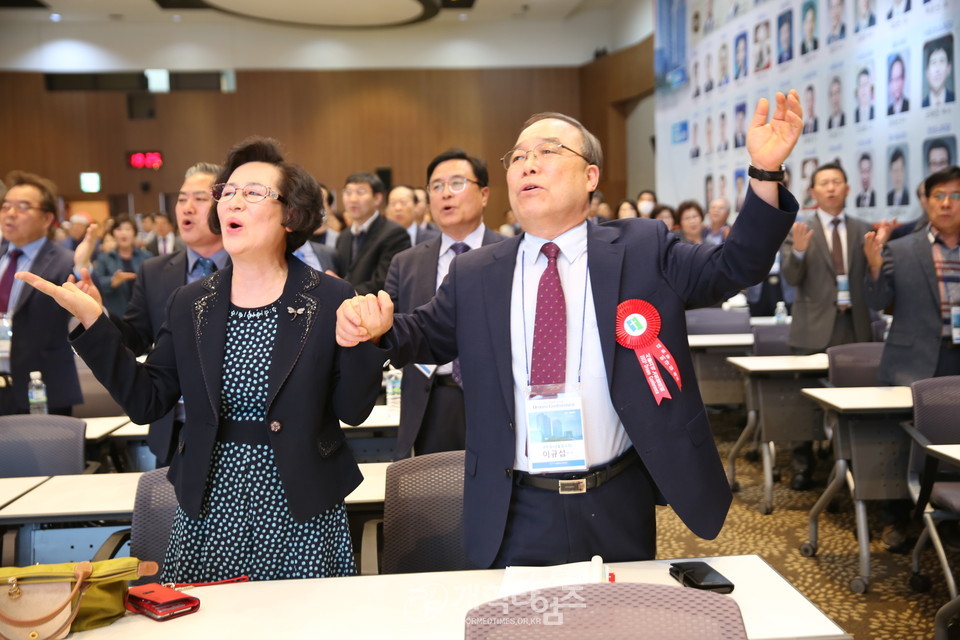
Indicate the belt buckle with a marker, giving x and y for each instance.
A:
(577, 485)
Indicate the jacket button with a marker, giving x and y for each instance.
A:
(508, 472)
(275, 426)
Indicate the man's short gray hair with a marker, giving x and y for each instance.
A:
(203, 167)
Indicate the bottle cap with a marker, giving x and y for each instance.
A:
(34, 375)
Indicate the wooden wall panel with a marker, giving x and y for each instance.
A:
(331, 122)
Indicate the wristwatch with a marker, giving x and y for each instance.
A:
(765, 176)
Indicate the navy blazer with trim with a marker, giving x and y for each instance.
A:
(629, 259)
(313, 383)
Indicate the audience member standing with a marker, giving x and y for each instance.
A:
(369, 244)
(114, 272)
(165, 240)
(823, 258)
(38, 324)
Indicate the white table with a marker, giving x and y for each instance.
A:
(870, 455)
(711, 340)
(376, 437)
(434, 605)
(13, 488)
(776, 408)
(98, 428)
(380, 417)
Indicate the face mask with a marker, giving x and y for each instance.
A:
(646, 208)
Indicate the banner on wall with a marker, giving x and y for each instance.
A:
(877, 82)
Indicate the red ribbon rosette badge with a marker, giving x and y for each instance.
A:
(638, 328)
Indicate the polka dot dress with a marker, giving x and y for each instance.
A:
(245, 526)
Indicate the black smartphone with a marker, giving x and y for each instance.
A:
(700, 575)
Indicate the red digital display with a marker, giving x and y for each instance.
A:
(145, 159)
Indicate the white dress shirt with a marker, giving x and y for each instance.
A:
(604, 435)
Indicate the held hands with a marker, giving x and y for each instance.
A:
(69, 296)
(364, 318)
(769, 143)
(801, 236)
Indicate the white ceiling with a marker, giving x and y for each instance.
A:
(365, 13)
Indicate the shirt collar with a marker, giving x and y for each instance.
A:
(572, 243)
(221, 258)
(363, 228)
(474, 240)
(826, 220)
(31, 248)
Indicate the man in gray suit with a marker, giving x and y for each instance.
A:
(823, 258)
(432, 415)
(904, 272)
(402, 203)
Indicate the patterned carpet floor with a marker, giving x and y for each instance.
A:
(890, 610)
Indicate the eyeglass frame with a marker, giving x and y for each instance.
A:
(941, 196)
(505, 161)
(220, 186)
(437, 186)
(9, 206)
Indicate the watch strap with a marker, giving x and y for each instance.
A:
(766, 176)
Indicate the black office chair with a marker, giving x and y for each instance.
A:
(854, 365)
(97, 402)
(422, 517)
(936, 403)
(712, 320)
(771, 340)
(608, 610)
(149, 534)
(42, 445)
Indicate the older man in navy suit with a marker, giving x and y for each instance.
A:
(583, 410)
(432, 416)
(38, 324)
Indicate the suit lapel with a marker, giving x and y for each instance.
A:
(605, 259)
(425, 272)
(39, 266)
(210, 311)
(372, 236)
(293, 327)
(820, 240)
(497, 285)
(924, 254)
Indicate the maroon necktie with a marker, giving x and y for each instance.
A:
(549, 365)
(6, 281)
(837, 248)
(458, 248)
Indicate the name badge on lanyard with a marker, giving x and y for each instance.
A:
(6, 335)
(843, 290)
(555, 428)
(955, 323)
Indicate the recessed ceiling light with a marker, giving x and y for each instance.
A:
(177, 17)
(463, 17)
(55, 17)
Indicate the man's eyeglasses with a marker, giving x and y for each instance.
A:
(940, 196)
(252, 192)
(541, 152)
(456, 185)
(19, 207)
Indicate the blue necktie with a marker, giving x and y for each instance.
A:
(458, 248)
(203, 267)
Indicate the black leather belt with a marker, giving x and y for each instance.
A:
(581, 483)
(445, 381)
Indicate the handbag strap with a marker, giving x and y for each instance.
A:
(80, 574)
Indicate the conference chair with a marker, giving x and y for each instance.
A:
(936, 403)
(153, 511)
(42, 445)
(771, 340)
(422, 518)
(720, 383)
(613, 611)
(97, 402)
(854, 365)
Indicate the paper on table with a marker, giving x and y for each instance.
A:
(520, 579)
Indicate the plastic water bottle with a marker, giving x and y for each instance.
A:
(393, 379)
(780, 314)
(37, 393)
